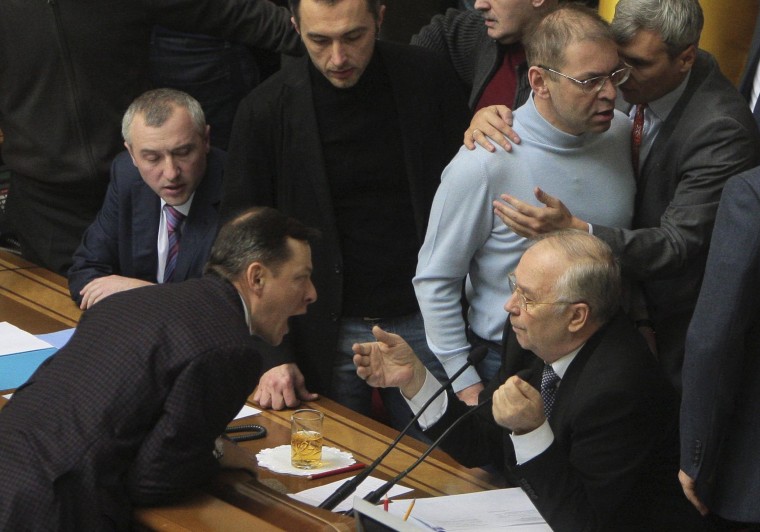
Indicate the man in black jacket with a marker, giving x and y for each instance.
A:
(597, 447)
(334, 139)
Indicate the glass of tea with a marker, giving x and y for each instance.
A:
(306, 438)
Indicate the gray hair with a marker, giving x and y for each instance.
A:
(157, 106)
(546, 41)
(593, 276)
(678, 22)
(259, 234)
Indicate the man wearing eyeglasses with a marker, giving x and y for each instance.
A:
(580, 416)
(572, 141)
(694, 132)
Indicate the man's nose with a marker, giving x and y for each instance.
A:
(170, 168)
(338, 55)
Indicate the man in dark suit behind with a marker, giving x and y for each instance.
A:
(168, 163)
(129, 411)
(597, 449)
(334, 139)
(720, 435)
(697, 131)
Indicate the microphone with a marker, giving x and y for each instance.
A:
(348, 487)
(375, 496)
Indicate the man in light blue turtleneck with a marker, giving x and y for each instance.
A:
(574, 145)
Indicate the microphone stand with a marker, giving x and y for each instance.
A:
(348, 487)
(375, 496)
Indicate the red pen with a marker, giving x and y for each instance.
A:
(352, 467)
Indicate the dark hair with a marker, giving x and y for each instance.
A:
(259, 234)
(373, 6)
(546, 41)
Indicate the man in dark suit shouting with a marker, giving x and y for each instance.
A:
(160, 215)
(596, 448)
(130, 410)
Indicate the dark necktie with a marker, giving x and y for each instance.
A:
(549, 382)
(636, 133)
(174, 220)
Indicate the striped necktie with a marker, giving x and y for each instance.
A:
(174, 220)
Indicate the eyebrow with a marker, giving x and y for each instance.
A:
(149, 151)
(349, 33)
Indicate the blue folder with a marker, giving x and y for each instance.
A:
(16, 369)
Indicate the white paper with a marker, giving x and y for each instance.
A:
(315, 496)
(247, 411)
(485, 511)
(13, 340)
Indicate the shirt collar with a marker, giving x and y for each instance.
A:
(247, 314)
(184, 208)
(560, 366)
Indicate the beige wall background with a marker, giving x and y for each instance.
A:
(727, 33)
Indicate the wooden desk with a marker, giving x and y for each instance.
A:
(38, 301)
(33, 298)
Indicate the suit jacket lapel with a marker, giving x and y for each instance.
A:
(306, 163)
(200, 224)
(146, 209)
(659, 152)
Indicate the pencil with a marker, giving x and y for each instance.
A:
(352, 467)
(409, 510)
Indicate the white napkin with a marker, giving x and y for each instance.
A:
(278, 460)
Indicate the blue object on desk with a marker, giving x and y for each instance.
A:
(16, 369)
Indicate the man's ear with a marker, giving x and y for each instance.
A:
(537, 79)
(686, 58)
(295, 25)
(255, 276)
(129, 149)
(581, 313)
(207, 139)
(380, 16)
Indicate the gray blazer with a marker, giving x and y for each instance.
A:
(720, 436)
(708, 137)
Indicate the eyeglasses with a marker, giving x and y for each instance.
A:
(596, 84)
(523, 302)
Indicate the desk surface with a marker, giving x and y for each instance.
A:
(38, 301)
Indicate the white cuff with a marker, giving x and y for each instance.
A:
(531, 444)
(436, 409)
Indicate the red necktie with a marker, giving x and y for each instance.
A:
(636, 134)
